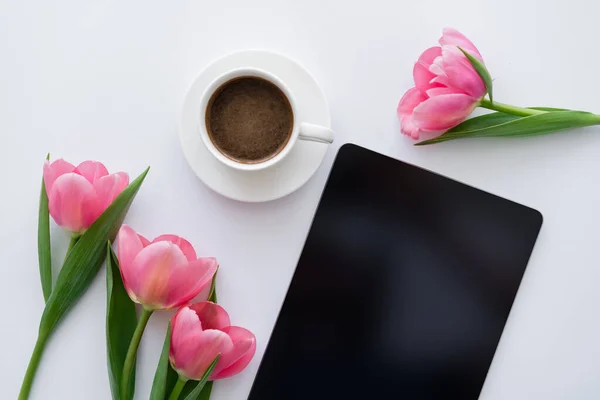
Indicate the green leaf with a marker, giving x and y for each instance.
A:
(481, 70)
(195, 393)
(172, 377)
(165, 376)
(213, 288)
(159, 385)
(527, 126)
(492, 119)
(483, 121)
(121, 321)
(85, 259)
(205, 394)
(44, 253)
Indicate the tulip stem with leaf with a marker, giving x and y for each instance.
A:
(73, 242)
(34, 362)
(203, 345)
(159, 275)
(196, 334)
(89, 201)
(451, 81)
(132, 351)
(195, 392)
(508, 109)
(179, 385)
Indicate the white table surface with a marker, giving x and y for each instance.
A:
(105, 80)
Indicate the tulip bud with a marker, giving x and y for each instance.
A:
(77, 196)
(164, 273)
(447, 87)
(200, 333)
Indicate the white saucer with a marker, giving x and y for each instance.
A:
(286, 176)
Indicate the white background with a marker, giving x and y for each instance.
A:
(105, 80)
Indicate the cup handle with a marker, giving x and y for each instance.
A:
(315, 133)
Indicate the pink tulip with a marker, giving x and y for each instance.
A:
(164, 273)
(202, 331)
(447, 87)
(78, 195)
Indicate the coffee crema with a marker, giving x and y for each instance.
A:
(249, 119)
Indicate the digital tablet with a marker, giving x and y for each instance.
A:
(402, 290)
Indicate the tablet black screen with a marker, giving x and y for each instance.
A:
(402, 290)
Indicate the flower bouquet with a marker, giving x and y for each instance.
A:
(201, 344)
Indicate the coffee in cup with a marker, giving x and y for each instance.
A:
(249, 119)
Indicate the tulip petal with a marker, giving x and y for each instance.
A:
(183, 244)
(145, 242)
(441, 91)
(91, 170)
(234, 362)
(185, 325)
(452, 37)
(150, 276)
(437, 68)
(412, 98)
(130, 245)
(72, 202)
(443, 112)
(211, 315)
(192, 357)
(188, 279)
(54, 170)
(109, 187)
(408, 128)
(461, 74)
(421, 73)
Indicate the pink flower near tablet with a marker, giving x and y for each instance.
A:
(451, 80)
(447, 87)
(204, 345)
(164, 273)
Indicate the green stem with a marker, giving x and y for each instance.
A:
(508, 109)
(177, 389)
(40, 344)
(72, 243)
(132, 352)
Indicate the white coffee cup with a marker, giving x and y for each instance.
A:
(300, 130)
